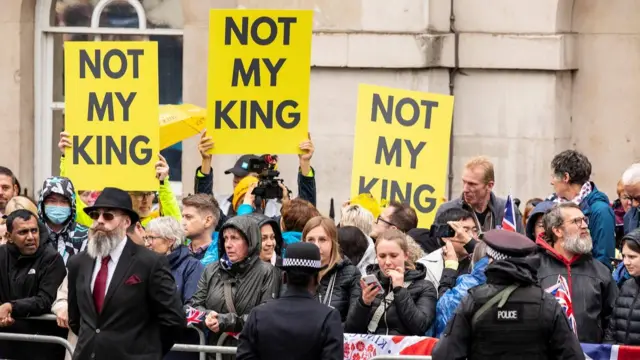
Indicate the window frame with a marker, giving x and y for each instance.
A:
(44, 72)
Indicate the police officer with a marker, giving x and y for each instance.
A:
(295, 326)
(509, 317)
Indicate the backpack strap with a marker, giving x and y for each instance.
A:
(228, 297)
(377, 315)
(500, 298)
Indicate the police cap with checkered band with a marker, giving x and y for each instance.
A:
(502, 244)
(301, 256)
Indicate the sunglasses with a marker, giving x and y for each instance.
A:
(108, 216)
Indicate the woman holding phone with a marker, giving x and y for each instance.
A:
(399, 301)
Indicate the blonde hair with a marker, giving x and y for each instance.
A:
(399, 238)
(415, 251)
(329, 227)
(358, 216)
(485, 164)
(19, 203)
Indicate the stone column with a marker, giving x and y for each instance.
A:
(16, 103)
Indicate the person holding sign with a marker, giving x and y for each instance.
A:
(204, 177)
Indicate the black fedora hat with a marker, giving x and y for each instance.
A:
(302, 256)
(113, 198)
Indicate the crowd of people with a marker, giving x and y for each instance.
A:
(126, 272)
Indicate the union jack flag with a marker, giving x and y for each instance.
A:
(562, 293)
(509, 218)
(194, 316)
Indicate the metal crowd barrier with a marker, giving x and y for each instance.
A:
(201, 348)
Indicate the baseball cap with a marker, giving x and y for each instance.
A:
(242, 165)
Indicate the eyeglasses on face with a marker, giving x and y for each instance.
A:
(142, 194)
(579, 220)
(380, 219)
(107, 215)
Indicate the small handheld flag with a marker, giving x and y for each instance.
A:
(509, 219)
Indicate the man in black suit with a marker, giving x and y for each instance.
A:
(296, 326)
(123, 302)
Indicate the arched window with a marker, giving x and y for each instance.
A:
(58, 21)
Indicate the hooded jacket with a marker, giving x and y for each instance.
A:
(450, 300)
(186, 270)
(496, 212)
(72, 238)
(252, 280)
(264, 220)
(537, 211)
(411, 312)
(602, 224)
(592, 289)
(547, 338)
(30, 284)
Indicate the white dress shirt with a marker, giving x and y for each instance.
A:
(111, 265)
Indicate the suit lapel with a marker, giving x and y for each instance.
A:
(124, 264)
(87, 272)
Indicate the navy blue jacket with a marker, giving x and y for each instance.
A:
(186, 270)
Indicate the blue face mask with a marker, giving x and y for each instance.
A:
(57, 214)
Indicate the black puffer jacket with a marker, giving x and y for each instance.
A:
(624, 325)
(593, 290)
(411, 313)
(252, 280)
(346, 284)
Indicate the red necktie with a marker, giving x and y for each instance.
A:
(100, 286)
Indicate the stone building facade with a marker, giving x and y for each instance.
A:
(530, 78)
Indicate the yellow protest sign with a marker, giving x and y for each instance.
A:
(258, 80)
(401, 147)
(111, 103)
(179, 122)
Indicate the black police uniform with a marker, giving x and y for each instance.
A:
(295, 326)
(527, 324)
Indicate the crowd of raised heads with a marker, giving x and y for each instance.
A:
(565, 268)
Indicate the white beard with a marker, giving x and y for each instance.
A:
(101, 243)
(578, 244)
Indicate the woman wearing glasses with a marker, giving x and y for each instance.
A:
(164, 235)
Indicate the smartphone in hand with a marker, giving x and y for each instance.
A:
(371, 279)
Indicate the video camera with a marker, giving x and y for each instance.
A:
(268, 185)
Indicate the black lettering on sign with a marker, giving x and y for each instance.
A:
(242, 32)
(107, 105)
(396, 151)
(392, 190)
(114, 70)
(391, 108)
(253, 71)
(111, 151)
(283, 114)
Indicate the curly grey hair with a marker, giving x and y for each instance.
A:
(168, 228)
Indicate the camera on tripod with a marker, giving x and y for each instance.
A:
(268, 185)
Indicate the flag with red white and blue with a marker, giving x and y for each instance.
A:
(194, 316)
(509, 219)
